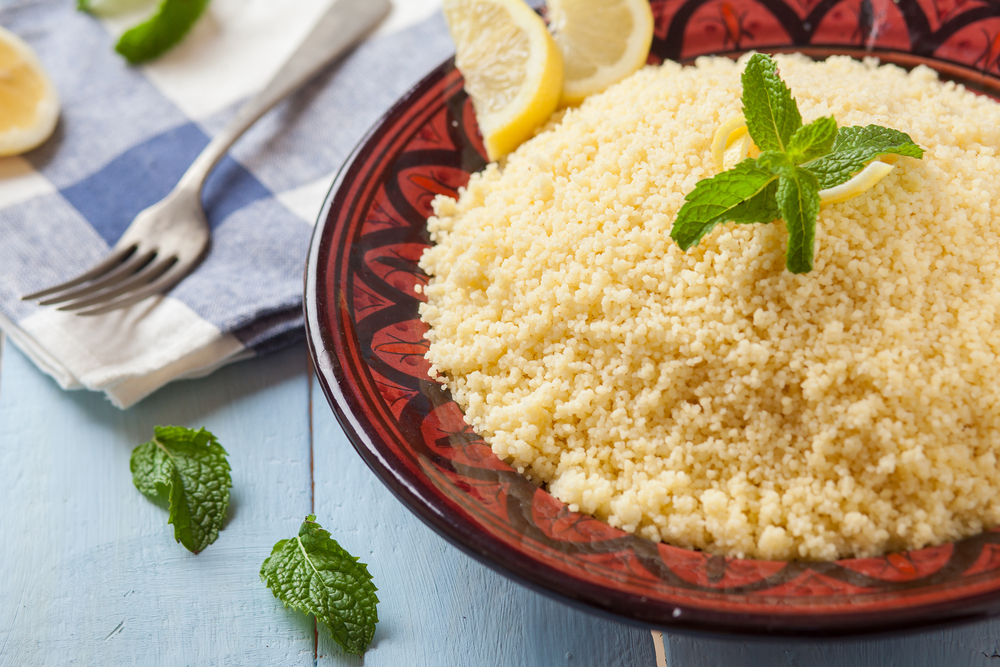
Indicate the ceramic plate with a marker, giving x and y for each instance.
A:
(367, 344)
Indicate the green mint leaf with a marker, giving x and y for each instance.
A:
(798, 201)
(187, 471)
(771, 113)
(760, 208)
(737, 195)
(314, 574)
(776, 162)
(855, 147)
(152, 472)
(167, 27)
(83, 5)
(813, 140)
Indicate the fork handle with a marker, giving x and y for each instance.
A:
(340, 28)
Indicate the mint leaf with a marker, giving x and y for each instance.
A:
(187, 471)
(737, 195)
(776, 162)
(152, 473)
(813, 140)
(855, 147)
(771, 113)
(314, 574)
(798, 201)
(167, 27)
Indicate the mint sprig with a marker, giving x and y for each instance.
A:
(186, 471)
(795, 163)
(314, 574)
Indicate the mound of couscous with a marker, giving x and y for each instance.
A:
(712, 399)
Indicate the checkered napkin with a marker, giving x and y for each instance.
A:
(125, 137)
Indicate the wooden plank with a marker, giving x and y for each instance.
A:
(91, 574)
(439, 606)
(968, 646)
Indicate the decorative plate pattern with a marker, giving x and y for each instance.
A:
(368, 345)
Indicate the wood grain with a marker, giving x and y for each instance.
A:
(91, 574)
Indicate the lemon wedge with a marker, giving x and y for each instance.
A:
(602, 41)
(513, 70)
(863, 181)
(29, 104)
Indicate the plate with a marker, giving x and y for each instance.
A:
(367, 344)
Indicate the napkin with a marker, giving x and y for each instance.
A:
(125, 136)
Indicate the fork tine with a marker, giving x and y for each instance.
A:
(133, 264)
(116, 257)
(162, 284)
(143, 277)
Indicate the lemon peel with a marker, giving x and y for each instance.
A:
(726, 136)
(863, 181)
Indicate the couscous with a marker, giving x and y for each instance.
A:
(711, 399)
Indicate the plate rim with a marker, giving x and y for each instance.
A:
(466, 535)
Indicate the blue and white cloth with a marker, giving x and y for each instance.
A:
(125, 137)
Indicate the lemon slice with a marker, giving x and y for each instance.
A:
(513, 70)
(863, 181)
(29, 104)
(602, 41)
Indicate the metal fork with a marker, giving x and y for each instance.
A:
(168, 239)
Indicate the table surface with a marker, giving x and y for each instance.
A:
(90, 573)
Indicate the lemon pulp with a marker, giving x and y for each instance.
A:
(513, 70)
(21, 88)
(28, 101)
(602, 41)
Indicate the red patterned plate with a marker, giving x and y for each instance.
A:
(367, 343)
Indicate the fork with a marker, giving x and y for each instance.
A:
(168, 240)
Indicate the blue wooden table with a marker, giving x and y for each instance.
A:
(90, 573)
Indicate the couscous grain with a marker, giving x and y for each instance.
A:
(712, 399)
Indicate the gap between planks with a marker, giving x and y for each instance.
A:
(312, 480)
(659, 649)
